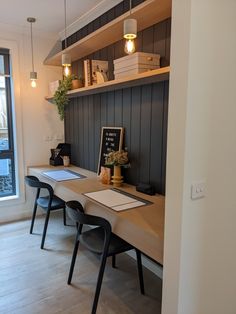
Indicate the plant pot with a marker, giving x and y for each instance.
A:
(77, 84)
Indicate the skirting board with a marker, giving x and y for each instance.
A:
(150, 265)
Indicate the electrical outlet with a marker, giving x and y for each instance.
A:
(198, 190)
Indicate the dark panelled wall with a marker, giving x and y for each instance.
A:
(141, 110)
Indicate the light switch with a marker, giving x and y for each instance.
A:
(198, 190)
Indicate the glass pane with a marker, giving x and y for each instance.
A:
(6, 180)
(2, 65)
(4, 143)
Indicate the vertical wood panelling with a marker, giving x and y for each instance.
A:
(145, 128)
(80, 119)
(86, 132)
(156, 140)
(141, 110)
(110, 109)
(91, 157)
(164, 136)
(97, 127)
(118, 108)
(147, 38)
(135, 135)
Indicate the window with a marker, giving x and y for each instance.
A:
(7, 160)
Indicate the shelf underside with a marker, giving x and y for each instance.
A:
(147, 14)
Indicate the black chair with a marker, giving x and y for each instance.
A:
(99, 240)
(47, 203)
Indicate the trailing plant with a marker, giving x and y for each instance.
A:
(60, 98)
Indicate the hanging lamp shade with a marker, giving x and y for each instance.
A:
(130, 28)
(33, 73)
(66, 59)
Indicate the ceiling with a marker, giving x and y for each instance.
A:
(49, 14)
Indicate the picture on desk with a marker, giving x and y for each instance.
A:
(111, 140)
(62, 175)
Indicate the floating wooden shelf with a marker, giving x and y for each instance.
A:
(147, 14)
(148, 77)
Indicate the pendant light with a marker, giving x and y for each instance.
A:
(33, 74)
(66, 58)
(130, 32)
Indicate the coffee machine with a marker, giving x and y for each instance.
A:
(62, 149)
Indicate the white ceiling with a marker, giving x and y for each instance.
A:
(49, 14)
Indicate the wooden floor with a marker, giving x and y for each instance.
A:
(34, 280)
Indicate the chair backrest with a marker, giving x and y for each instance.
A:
(34, 182)
(76, 212)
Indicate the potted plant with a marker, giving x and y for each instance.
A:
(60, 98)
(117, 159)
(77, 82)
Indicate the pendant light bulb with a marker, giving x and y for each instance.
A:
(129, 46)
(33, 83)
(66, 70)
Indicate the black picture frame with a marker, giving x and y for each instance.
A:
(111, 140)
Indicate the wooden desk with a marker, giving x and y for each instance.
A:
(143, 227)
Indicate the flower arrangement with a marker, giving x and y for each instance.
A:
(117, 158)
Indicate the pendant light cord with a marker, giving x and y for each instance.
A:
(130, 6)
(32, 49)
(65, 24)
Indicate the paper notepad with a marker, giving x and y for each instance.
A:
(115, 200)
(62, 175)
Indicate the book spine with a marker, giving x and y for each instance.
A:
(87, 73)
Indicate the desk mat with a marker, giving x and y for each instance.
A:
(62, 175)
(116, 199)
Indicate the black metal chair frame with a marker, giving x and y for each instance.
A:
(34, 182)
(76, 212)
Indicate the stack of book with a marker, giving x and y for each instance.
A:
(95, 72)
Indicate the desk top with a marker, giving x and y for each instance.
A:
(143, 227)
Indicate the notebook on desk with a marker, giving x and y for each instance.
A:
(62, 175)
(117, 199)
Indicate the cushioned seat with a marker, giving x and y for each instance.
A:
(47, 203)
(93, 240)
(57, 202)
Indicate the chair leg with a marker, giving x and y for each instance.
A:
(33, 217)
(140, 270)
(114, 261)
(45, 228)
(64, 216)
(99, 283)
(72, 265)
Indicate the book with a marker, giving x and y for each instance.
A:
(87, 73)
(92, 71)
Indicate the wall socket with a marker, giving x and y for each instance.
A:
(198, 190)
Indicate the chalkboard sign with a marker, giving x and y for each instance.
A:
(111, 140)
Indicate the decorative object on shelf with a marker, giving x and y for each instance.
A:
(117, 159)
(33, 74)
(95, 72)
(66, 58)
(53, 86)
(105, 175)
(130, 32)
(76, 82)
(136, 63)
(60, 98)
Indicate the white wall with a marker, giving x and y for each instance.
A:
(200, 250)
(36, 118)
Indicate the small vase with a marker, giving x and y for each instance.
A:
(117, 178)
